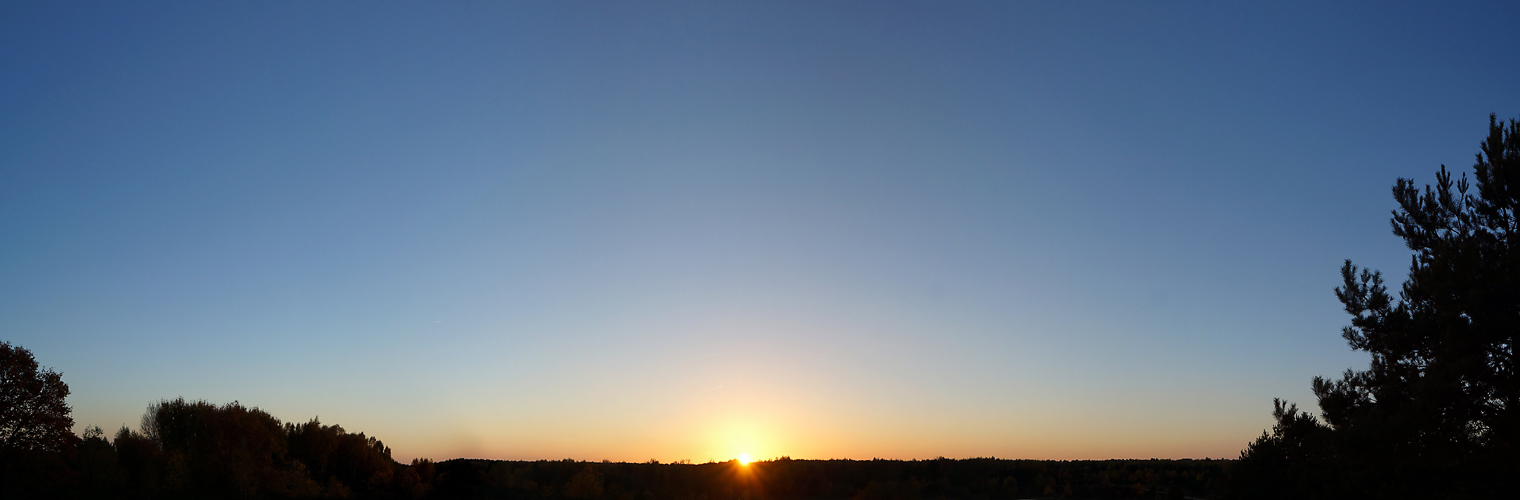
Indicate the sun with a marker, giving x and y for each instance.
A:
(744, 458)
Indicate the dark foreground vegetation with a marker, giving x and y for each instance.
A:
(199, 450)
(1437, 412)
(1435, 415)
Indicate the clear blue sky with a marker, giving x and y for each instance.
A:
(820, 229)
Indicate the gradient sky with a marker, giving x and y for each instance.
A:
(600, 230)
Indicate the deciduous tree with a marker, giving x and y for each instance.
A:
(33, 414)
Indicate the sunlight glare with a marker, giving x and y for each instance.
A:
(744, 458)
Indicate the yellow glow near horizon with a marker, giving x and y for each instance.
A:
(744, 458)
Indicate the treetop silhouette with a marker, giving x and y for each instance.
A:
(1435, 413)
(33, 413)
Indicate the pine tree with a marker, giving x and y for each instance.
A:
(1435, 414)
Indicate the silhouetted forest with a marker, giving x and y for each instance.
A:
(195, 449)
(199, 450)
(785, 478)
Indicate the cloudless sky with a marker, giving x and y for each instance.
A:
(614, 230)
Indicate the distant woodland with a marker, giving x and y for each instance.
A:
(198, 450)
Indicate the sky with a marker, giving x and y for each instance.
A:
(630, 231)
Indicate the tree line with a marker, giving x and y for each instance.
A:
(786, 478)
(195, 449)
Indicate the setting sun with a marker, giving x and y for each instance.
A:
(744, 458)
